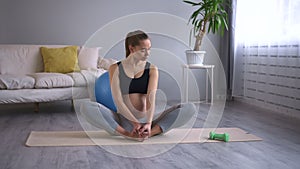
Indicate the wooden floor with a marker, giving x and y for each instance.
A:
(280, 148)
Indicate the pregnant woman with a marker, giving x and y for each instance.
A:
(133, 83)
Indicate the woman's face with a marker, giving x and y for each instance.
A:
(142, 51)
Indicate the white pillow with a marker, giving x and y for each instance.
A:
(52, 80)
(88, 57)
(90, 77)
(20, 59)
(16, 82)
(105, 63)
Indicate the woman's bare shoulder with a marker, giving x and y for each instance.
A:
(153, 69)
(113, 67)
(152, 66)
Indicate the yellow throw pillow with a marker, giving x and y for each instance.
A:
(60, 60)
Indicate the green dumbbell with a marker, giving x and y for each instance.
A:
(215, 136)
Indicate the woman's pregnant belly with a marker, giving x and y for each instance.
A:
(136, 103)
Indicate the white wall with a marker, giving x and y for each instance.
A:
(2, 21)
(74, 21)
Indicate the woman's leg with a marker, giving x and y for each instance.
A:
(125, 123)
(102, 117)
(99, 116)
(173, 117)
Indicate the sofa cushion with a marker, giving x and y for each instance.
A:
(27, 58)
(60, 60)
(52, 80)
(16, 82)
(88, 57)
(79, 80)
(104, 63)
(90, 77)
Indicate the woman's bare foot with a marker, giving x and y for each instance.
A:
(128, 135)
(135, 136)
(156, 130)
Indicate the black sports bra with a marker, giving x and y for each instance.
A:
(134, 85)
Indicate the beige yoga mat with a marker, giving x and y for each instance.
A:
(82, 138)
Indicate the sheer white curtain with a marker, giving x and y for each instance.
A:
(267, 62)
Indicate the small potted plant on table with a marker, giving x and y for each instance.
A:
(209, 16)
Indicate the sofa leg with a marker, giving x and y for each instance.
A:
(72, 105)
(36, 107)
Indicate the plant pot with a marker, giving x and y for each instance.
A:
(194, 57)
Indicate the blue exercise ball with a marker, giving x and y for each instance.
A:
(103, 92)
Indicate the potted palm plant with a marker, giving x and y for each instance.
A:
(209, 16)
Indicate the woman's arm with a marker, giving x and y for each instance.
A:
(151, 92)
(117, 95)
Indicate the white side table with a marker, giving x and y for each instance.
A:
(207, 68)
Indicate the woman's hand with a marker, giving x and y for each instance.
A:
(146, 130)
(136, 128)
